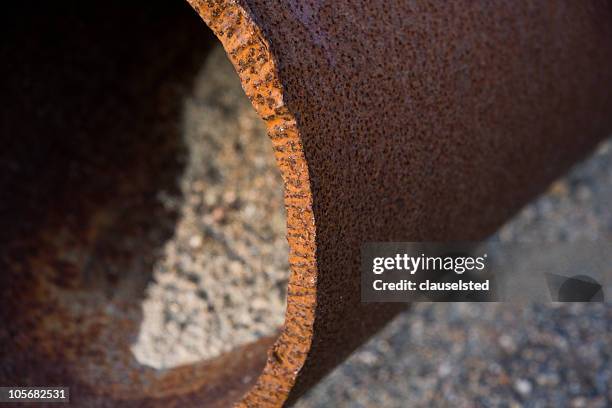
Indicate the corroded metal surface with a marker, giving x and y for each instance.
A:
(390, 120)
(405, 121)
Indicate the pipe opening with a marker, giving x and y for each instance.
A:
(143, 225)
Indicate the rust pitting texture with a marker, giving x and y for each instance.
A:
(407, 121)
(391, 121)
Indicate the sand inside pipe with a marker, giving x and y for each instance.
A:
(220, 281)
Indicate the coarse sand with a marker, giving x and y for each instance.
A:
(221, 279)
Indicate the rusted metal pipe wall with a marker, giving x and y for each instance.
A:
(391, 121)
(407, 121)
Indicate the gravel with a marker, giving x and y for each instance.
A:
(222, 277)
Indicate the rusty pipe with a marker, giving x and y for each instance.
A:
(405, 121)
(400, 121)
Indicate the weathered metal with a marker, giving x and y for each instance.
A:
(391, 120)
(396, 120)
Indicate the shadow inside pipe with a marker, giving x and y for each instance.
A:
(90, 130)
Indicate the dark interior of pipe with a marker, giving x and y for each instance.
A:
(92, 92)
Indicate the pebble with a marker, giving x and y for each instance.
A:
(522, 386)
